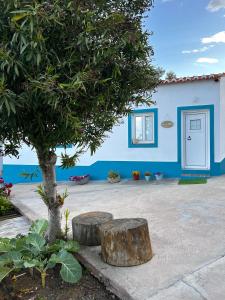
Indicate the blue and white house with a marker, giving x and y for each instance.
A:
(182, 133)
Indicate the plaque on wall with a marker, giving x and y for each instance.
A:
(167, 124)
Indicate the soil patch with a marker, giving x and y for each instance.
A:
(29, 288)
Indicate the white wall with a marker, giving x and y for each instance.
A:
(168, 98)
(222, 118)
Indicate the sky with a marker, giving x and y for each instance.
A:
(188, 36)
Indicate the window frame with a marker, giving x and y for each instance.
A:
(131, 128)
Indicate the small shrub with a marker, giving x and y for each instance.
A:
(113, 174)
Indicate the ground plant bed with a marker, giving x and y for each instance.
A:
(10, 214)
(25, 287)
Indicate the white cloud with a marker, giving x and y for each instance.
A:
(203, 49)
(207, 60)
(215, 5)
(216, 38)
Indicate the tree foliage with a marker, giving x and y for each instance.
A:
(69, 70)
(170, 75)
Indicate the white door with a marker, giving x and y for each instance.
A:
(196, 146)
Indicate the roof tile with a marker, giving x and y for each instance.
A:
(193, 78)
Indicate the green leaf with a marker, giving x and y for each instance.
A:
(19, 17)
(70, 246)
(16, 70)
(31, 263)
(5, 245)
(51, 264)
(4, 271)
(16, 258)
(71, 270)
(18, 243)
(37, 241)
(39, 227)
(5, 260)
(38, 59)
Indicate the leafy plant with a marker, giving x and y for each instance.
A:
(33, 252)
(30, 176)
(42, 193)
(5, 205)
(66, 230)
(113, 174)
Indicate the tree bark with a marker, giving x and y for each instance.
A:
(47, 162)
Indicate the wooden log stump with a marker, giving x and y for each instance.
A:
(86, 227)
(125, 242)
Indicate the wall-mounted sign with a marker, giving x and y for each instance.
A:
(167, 124)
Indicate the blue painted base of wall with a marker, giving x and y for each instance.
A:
(100, 169)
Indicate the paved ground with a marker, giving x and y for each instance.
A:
(11, 227)
(187, 227)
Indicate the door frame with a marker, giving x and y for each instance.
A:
(180, 128)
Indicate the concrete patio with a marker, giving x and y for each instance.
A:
(187, 228)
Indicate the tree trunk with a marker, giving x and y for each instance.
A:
(47, 163)
(86, 227)
(125, 242)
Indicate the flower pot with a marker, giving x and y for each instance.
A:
(136, 177)
(158, 177)
(113, 180)
(147, 178)
(80, 179)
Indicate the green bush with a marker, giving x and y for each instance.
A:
(33, 252)
(5, 205)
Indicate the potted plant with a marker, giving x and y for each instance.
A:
(80, 179)
(158, 176)
(148, 176)
(136, 175)
(113, 177)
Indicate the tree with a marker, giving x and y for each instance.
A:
(70, 70)
(170, 75)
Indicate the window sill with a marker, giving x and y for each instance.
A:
(151, 145)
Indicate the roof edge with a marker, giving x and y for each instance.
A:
(192, 78)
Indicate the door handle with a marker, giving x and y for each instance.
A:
(189, 138)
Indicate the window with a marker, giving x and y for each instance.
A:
(67, 146)
(143, 128)
(195, 124)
